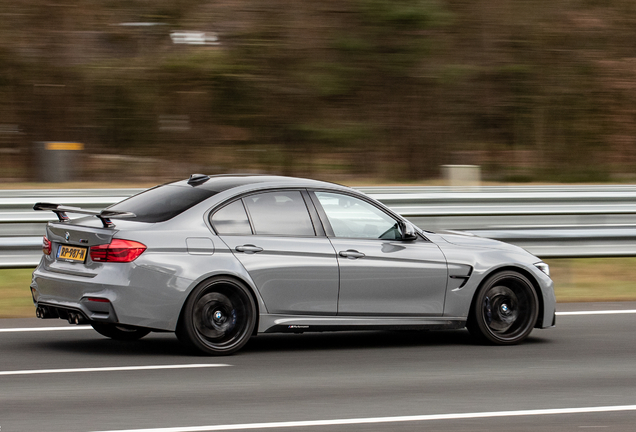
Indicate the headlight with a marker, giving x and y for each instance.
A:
(543, 267)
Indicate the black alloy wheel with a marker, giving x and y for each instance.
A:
(218, 318)
(504, 310)
(120, 332)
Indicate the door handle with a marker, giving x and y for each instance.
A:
(250, 249)
(353, 254)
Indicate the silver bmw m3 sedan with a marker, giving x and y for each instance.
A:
(219, 259)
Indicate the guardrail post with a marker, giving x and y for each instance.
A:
(57, 161)
(462, 176)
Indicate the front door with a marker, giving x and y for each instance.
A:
(380, 274)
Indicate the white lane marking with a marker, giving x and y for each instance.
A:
(36, 329)
(111, 369)
(368, 420)
(599, 312)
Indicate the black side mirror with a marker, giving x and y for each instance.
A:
(408, 231)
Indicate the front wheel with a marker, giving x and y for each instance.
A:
(119, 332)
(504, 309)
(218, 318)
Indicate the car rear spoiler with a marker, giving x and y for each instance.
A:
(103, 215)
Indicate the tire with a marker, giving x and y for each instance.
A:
(504, 309)
(118, 332)
(218, 317)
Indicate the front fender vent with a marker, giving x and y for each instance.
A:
(458, 275)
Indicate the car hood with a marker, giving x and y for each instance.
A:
(467, 239)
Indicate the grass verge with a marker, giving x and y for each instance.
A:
(575, 280)
(594, 279)
(15, 295)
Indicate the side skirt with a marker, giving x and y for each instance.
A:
(299, 324)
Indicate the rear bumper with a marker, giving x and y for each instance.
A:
(123, 294)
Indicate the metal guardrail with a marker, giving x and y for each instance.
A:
(549, 221)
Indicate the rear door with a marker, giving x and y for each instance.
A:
(381, 274)
(283, 247)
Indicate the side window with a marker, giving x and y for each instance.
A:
(279, 213)
(232, 219)
(353, 218)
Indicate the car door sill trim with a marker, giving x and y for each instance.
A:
(295, 323)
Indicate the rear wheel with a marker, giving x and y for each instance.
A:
(504, 310)
(218, 318)
(119, 332)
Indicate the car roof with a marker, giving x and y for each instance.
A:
(220, 183)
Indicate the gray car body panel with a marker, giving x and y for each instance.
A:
(393, 278)
(486, 257)
(295, 282)
(294, 275)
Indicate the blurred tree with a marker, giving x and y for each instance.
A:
(536, 90)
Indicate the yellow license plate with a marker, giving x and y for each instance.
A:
(72, 253)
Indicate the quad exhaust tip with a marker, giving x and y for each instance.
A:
(42, 312)
(75, 318)
(72, 317)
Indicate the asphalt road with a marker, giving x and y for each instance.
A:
(587, 361)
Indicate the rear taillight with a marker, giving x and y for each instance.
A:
(117, 251)
(46, 246)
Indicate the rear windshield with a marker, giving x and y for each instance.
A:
(162, 203)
